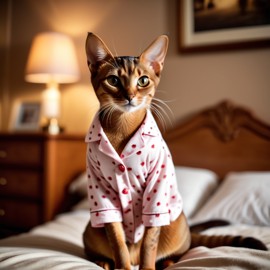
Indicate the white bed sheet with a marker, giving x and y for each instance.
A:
(58, 245)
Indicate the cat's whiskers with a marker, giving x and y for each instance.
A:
(114, 48)
(162, 111)
(159, 116)
(166, 108)
(106, 112)
(110, 116)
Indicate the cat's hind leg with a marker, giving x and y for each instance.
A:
(174, 241)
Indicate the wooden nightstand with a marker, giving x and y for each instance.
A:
(35, 170)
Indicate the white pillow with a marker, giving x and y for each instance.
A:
(79, 185)
(241, 198)
(195, 186)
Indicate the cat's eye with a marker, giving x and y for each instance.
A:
(143, 81)
(113, 80)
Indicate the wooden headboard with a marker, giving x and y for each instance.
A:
(221, 138)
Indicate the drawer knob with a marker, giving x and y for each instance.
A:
(2, 212)
(3, 181)
(3, 154)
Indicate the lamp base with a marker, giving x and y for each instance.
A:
(53, 127)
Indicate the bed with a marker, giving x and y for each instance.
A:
(222, 160)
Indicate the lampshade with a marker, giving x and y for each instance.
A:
(52, 58)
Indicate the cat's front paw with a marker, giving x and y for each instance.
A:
(161, 265)
(104, 265)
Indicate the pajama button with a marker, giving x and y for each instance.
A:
(125, 191)
(121, 167)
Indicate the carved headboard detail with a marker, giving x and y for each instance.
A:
(223, 138)
(228, 119)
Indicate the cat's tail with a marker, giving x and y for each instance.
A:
(212, 241)
(199, 227)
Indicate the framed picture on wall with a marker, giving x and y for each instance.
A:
(207, 25)
(26, 116)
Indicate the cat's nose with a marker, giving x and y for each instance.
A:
(130, 97)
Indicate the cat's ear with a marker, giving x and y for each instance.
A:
(155, 54)
(96, 50)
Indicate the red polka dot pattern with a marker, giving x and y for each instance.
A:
(138, 187)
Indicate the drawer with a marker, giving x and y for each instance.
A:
(19, 214)
(20, 183)
(20, 152)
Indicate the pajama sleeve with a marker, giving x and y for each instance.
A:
(103, 200)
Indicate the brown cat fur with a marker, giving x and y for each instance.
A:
(123, 109)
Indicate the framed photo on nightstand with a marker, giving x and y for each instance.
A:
(26, 116)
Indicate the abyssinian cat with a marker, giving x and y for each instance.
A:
(136, 210)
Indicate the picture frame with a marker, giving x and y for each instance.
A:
(26, 116)
(195, 33)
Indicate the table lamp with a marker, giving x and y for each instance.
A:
(52, 60)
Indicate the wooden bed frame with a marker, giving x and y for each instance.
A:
(222, 138)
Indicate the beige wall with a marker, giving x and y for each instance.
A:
(4, 38)
(189, 82)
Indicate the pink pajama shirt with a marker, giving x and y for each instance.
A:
(138, 187)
